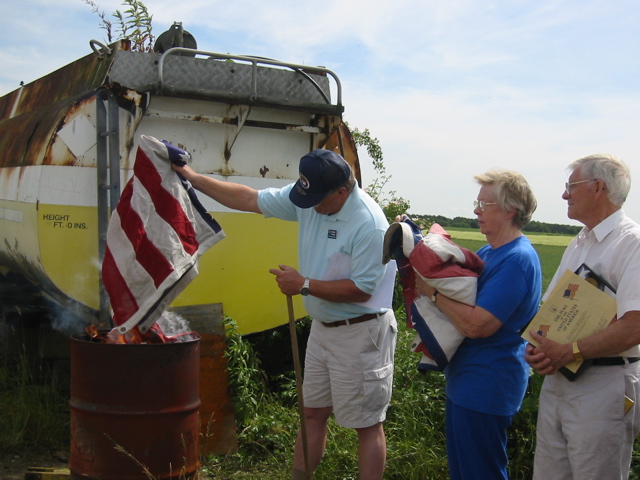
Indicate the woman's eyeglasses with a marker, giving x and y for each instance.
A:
(481, 205)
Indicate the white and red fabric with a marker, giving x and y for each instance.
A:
(155, 236)
(451, 269)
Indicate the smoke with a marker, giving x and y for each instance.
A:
(70, 323)
(176, 327)
(65, 320)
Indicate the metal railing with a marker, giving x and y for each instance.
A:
(303, 70)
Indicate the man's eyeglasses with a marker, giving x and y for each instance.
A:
(568, 185)
(481, 205)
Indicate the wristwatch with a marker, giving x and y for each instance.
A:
(577, 354)
(305, 290)
(435, 294)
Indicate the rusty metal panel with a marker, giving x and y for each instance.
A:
(88, 73)
(31, 138)
(217, 417)
(24, 139)
(7, 102)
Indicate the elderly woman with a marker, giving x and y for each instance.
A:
(487, 376)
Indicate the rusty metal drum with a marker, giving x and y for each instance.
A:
(134, 410)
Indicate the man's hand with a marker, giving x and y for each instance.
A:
(289, 279)
(185, 170)
(538, 361)
(549, 356)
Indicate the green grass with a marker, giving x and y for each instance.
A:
(414, 427)
(535, 237)
(550, 256)
(35, 410)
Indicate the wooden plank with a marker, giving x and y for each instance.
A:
(47, 473)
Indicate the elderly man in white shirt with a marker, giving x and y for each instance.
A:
(586, 428)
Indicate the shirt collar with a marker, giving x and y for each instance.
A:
(606, 226)
(344, 214)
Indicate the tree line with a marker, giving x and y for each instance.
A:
(462, 222)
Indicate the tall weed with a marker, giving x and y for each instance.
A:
(35, 411)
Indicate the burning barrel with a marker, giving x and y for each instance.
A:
(134, 410)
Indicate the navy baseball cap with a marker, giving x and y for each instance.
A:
(321, 171)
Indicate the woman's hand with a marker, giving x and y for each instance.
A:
(423, 288)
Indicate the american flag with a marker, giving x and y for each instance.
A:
(570, 291)
(156, 234)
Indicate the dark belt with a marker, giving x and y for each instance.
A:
(611, 361)
(352, 321)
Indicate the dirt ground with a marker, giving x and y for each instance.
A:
(14, 466)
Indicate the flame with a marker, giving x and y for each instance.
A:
(92, 331)
(132, 337)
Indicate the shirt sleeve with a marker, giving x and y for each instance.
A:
(367, 268)
(274, 202)
(628, 292)
(501, 292)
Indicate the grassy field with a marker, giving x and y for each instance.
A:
(535, 238)
(549, 247)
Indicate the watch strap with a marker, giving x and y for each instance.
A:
(577, 354)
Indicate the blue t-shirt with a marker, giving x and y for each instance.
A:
(353, 236)
(489, 375)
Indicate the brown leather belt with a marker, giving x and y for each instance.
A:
(352, 321)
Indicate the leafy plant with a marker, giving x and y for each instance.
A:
(394, 205)
(247, 381)
(134, 24)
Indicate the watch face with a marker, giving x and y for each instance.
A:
(305, 287)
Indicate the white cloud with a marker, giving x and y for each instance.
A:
(434, 144)
(449, 88)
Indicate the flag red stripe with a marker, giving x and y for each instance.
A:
(166, 205)
(147, 254)
(117, 288)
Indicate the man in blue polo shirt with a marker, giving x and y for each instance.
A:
(350, 351)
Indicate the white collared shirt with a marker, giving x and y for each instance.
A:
(611, 250)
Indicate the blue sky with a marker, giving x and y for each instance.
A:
(449, 88)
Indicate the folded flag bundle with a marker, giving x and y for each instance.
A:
(449, 268)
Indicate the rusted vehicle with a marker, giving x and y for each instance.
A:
(67, 146)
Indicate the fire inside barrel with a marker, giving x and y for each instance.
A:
(155, 334)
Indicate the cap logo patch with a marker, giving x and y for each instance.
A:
(304, 182)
